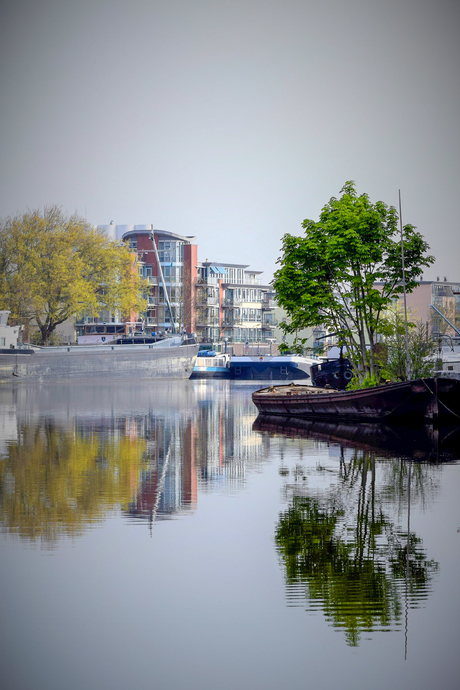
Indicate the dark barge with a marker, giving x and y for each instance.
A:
(425, 401)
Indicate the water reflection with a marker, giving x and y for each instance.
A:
(425, 443)
(71, 455)
(341, 541)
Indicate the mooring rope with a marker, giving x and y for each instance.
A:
(440, 401)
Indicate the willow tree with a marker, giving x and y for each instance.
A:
(346, 269)
(53, 266)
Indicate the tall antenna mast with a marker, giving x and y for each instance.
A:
(404, 289)
(162, 278)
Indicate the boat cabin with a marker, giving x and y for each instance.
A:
(9, 335)
(100, 333)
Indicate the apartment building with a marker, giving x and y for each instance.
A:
(216, 301)
(232, 304)
(442, 294)
(168, 261)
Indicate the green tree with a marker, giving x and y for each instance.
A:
(53, 266)
(328, 277)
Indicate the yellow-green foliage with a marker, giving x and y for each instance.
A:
(54, 481)
(53, 266)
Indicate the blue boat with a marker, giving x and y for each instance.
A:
(259, 368)
(271, 368)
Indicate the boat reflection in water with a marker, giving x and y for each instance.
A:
(425, 443)
(340, 541)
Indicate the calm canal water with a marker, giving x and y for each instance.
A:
(158, 536)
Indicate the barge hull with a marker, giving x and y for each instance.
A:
(108, 361)
(419, 401)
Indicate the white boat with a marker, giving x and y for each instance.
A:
(214, 366)
(449, 362)
(172, 357)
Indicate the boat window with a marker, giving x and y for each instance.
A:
(119, 329)
(100, 329)
(90, 329)
(110, 329)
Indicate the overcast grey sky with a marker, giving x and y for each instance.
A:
(232, 121)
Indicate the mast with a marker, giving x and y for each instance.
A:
(445, 318)
(404, 288)
(155, 249)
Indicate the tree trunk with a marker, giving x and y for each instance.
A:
(46, 331)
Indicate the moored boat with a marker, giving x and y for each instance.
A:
(172, 357)
(214, 366)
(271, 368)
(253, 368)
(428, 400)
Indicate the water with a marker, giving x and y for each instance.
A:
(158, 536)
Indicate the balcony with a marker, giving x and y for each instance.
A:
(269, 304)
(233, 323)
(232, 302)
(204, 321)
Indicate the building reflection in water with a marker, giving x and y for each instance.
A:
(342, 542)
(70, 455)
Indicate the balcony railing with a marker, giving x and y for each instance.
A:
(204, 321)
(233, 323)
(232, 302)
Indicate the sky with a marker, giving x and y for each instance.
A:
(232, 121)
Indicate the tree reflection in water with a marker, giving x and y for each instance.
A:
(57, 480)
(343, 553)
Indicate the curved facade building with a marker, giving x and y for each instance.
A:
(217, 301)
(168, 262)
